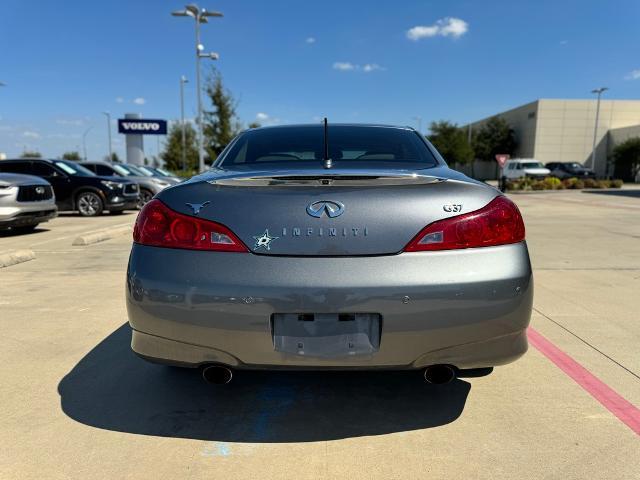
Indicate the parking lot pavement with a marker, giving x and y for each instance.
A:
(76, 403)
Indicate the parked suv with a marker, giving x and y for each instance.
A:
(25, 201)
(149, 185)
(570, 170)
(525, 167)
(77, 188)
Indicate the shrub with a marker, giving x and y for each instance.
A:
(616, 183)
(552, 183)
(569, 182)
(604, 184)
(578, 185)
(590, 183)
(513, 185)
(538, 185)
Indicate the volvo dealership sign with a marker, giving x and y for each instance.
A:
(141, 126)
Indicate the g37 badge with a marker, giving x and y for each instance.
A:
(264, 240)
(452, 207)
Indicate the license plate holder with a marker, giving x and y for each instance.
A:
(326, 335)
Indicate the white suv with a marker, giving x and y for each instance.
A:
(525, 167)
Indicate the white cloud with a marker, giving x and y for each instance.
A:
(30, 134)
(266, 119)
(371, 67)
(344, 66)
(310, 40)
(139, 101)
(633, 75)
(564, 42)
(445, 27)
(119, 100)
(76, 122)
(348, 66)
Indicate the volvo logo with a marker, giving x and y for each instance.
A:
(330, 208)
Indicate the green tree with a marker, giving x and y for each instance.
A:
(114, 158)
(495, 136)
(220, 122)
(75, 156)
(626, 157)
(172, 154)
(31, 154)
(254, 125)
(451, 141)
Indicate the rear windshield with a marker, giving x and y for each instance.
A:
(351, 146)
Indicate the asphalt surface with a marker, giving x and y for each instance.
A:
(76, 403)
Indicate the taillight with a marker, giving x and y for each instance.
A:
(159, 226)
(498, 223)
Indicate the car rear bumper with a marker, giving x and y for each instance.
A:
(469, 308)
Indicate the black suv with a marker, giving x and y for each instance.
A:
(570, 169)
(77, 188)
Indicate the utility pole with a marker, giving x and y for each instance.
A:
(183, 80)
(599, 92)
(200, 16)
(108, 115)
(84, 142)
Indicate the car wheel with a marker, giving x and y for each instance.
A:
(89, 204)
(145, 196)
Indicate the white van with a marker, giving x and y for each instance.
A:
(525, 167)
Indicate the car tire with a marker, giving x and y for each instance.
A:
(89, 204)
(145, 196)
(116, 212)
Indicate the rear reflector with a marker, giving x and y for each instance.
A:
(498, 223)
(159, 226)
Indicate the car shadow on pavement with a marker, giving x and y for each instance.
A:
(113, 389)
(615, 193)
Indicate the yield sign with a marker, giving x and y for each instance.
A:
(502, 158)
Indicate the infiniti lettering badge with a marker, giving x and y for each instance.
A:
(330, 208)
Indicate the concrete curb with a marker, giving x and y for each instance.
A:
(101, 235)
(16, 256)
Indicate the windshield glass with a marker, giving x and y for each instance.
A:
(133, 170)
(163, 172)
(349, 146)
(575, 166)
(74, 169)
(147, 171)
(532, 165)
(121, 170)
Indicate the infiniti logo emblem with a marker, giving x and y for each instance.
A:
(330, 208)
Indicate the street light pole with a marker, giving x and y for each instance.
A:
(200, 15)
(183, 80)
(599, 92)
(419, 119)
(84, 142)
(108, 115)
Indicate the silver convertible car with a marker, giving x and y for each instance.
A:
(330, 247)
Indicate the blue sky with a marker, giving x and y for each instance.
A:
(295, 61)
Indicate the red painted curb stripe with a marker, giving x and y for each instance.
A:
(610, 399)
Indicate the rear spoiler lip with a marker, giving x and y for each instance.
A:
(325, 178)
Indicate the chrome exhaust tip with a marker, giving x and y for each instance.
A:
(439, 374)
(217, 374)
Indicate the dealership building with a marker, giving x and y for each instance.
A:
(556, 130)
